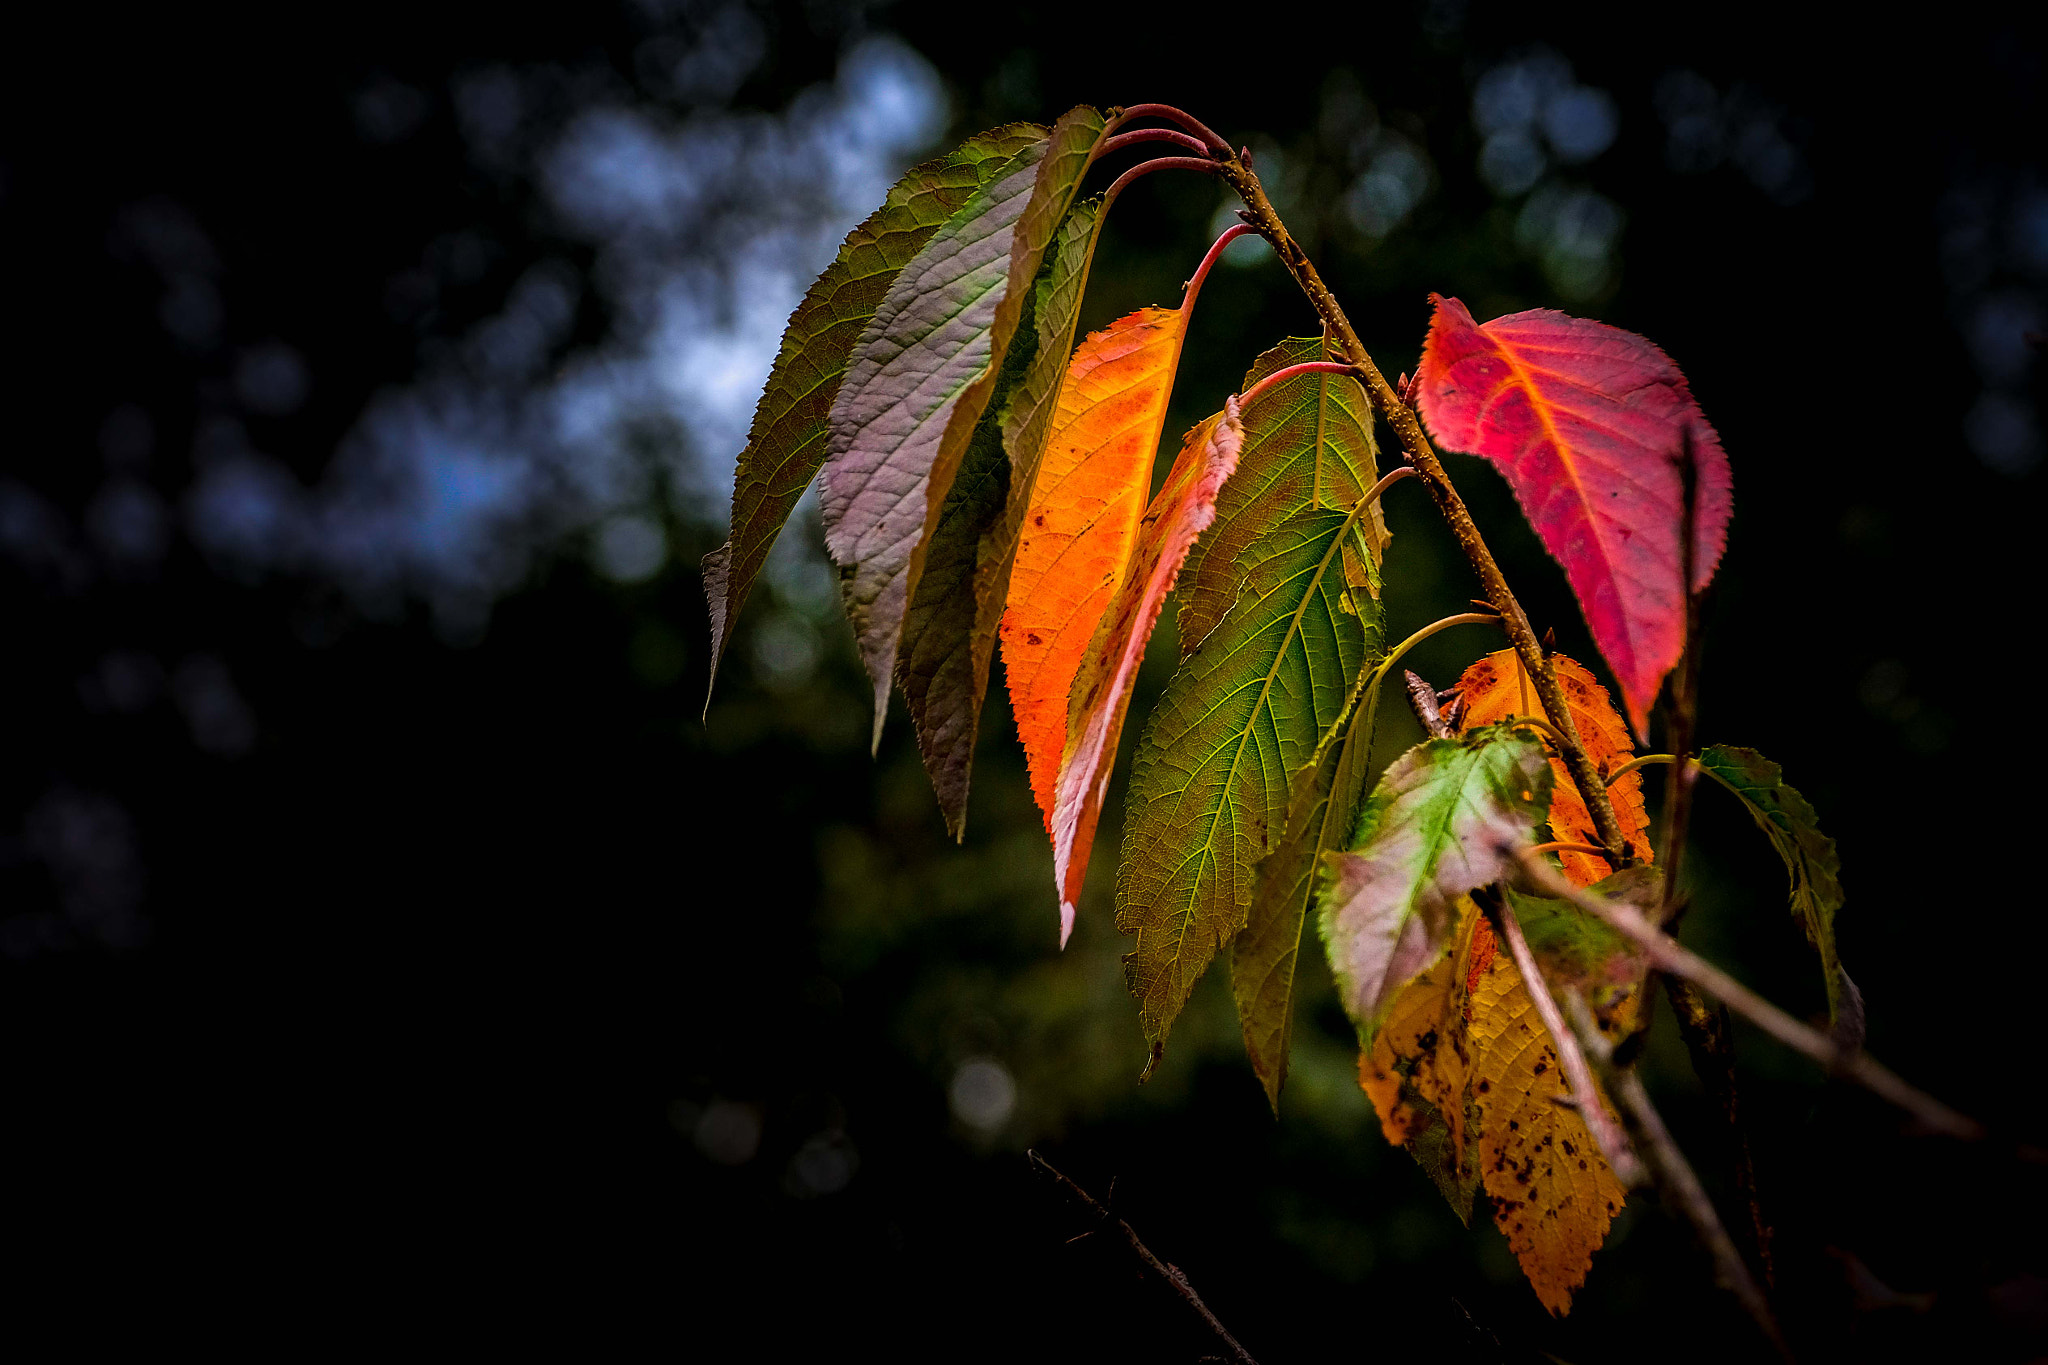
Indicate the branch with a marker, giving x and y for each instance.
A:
(1586, 1096)
(1258, 211)
(1676, 1180)
(1668, 955)
(1163, 1269)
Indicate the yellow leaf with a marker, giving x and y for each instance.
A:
(1465, 1076)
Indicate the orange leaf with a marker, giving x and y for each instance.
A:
(1496, 688)
(1101, 691)
(1082, 522)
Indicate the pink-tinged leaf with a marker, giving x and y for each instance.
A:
(1101, 692)
(1590, 425)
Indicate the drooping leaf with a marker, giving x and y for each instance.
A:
(1579, 952)
(1182, 510)
(1788, 819)
(788, 439)
(1308, 442)
(1215, 766)
(922, 373)
(1434, 829)
(949, 632)
(1590, 425)
(1496, 688)
(1322, 807)
(1465, 1076)
(943, 661)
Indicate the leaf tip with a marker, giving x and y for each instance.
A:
(1066, 923)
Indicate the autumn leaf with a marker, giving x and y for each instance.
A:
(1496, 688)
(1308, 443)
(1788, 819)
(1182, 510)
(1081, 521)
(1434, 829)
(948, 641)
(1214, 768)
(922, 373)
(788, 439)
(1589, 424)
(1465, 1076)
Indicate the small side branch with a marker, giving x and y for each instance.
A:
(1165, 1270)
(1621, 1158)
(1666, 954)
(1676, 1179)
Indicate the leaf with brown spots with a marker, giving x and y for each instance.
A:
(1496, 688)
(1463, 1074)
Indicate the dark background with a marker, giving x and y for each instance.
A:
(388, 951)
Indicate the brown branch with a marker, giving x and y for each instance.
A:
(1666, 954)
(1407, 428)
(1621, 1158)
(1422, 697)
(1705, 1026)
(1165, 1270)
(1676, 1179)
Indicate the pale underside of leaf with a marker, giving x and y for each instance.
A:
(1441, 823)
(1213, 772)
(788, 439)
(942, 655)
(1814, 867)
(1183, 508)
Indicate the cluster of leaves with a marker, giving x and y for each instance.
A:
(984, 485)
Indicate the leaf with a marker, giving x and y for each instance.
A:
(1214, 769)
(1082, 522)
(1182, 510)
(1308, 442)
(1465, 1076)
(1579, 952)
(923, 371)
(788, 439)
(1496, 689)
(1589, 424)
(949, 632)
(1788, 819)
(1433, 830)
(943, 661)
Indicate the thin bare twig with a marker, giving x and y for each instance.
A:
(1666, 954)
(1621, 1158)
(1165, 1270)
(1676, 1180)
(1704, 1025)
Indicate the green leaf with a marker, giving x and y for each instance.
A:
(1308, 442)
(1583, 953)
(922, 374)
(788, 439)
(1788, 820)
(1434, 829)
(1211, 780)
(949, 633)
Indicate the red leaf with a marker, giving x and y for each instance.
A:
(1589, 424)
(1101, 693)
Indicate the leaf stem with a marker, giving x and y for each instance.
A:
(1158, 163)
(1143, 135)
(1194, 284)
(1173, 115)
(1640, 761)
(1407, 428)
(1165, 1270)
(1666, 954)
(1292, 371)
(1606, 1135)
